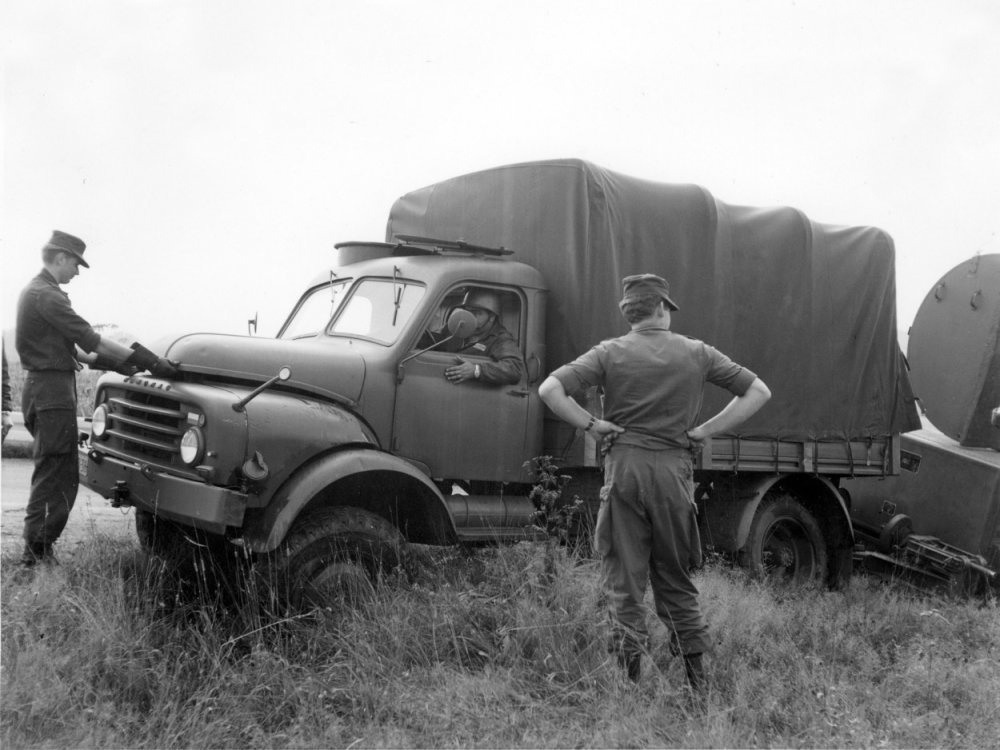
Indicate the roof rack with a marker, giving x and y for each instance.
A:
(452, 245)
(406, 244)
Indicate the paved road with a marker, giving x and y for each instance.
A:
(18, 441)
(90, 515)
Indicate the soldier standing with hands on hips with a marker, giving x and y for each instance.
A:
(53, 341)
(653, 381)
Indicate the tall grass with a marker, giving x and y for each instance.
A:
(86, 387)
(481, 651)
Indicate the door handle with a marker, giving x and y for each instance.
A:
(522, 393)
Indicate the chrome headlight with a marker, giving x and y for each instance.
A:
(99, 422)
(192, 446)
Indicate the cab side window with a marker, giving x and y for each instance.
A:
(505, 305)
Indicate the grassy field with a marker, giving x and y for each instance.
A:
(482, 651)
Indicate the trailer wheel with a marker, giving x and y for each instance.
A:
(786, 543)
(332, 555)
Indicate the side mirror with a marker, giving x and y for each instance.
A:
(461, 323)
(283, 374)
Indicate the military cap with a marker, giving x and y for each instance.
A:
(643, 284)
(68, 244)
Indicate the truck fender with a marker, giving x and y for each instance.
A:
(386, 474)
(739, 497)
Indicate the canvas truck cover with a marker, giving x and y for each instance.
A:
(810, 308)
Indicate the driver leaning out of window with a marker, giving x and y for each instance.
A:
(489, 339)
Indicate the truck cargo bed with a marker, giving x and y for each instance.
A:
(850, 458)
(809, 307)
(878, 457)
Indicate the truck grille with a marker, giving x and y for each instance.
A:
(146, 426)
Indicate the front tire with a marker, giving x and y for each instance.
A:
(158, 536)
(332, 555)
(786, 543)
(192, 563)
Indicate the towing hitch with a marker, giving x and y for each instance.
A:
(929, 563)
(120, 495)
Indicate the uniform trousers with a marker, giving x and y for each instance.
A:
(647, 530)
(49, 406)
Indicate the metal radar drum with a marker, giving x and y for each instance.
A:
(954, 353)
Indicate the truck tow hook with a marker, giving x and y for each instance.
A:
(120, 495)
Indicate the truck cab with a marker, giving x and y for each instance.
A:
(382, 302)
(347, 407)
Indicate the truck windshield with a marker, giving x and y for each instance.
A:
(378, 309)
(315, 311)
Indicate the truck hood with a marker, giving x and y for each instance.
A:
(321, 368)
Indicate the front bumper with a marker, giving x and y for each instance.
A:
(203, 506)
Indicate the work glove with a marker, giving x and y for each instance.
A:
(143, 358)
(104, 362)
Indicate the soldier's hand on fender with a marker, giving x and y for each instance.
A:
(163, 368)
(460, 371)
(158, 367)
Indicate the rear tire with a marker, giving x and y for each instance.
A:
(786, 544)
(330, 556)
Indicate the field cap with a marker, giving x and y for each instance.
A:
(636, 287)
(68, 244)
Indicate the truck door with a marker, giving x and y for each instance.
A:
(470, 430)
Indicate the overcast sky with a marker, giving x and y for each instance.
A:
(211, 152)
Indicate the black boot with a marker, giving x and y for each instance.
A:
(627, 647)
(36, 552)
(695, 670)
(33, 554)
(632, 664)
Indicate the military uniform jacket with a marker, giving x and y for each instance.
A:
(507, 366)
(48, 327)
(653, 381)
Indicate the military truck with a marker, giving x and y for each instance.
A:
(325, 451)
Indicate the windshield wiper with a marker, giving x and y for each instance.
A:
(397, 294)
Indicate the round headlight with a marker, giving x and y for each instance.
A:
(192, 446)
(99, 422)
